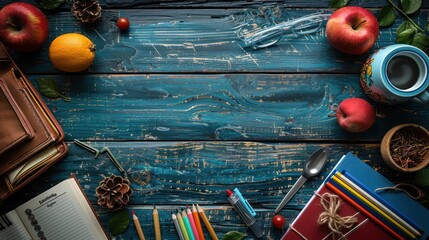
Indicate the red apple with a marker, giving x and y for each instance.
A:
(355, 115)
(23, 27)
(352, 30)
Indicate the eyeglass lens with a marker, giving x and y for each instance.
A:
(268, 38)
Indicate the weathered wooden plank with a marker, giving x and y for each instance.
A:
(199, 172)
(185, 40)
(223, 219)
(202, 171)
(268, 107)
(221, 4)
(251, 3)
(135, 92)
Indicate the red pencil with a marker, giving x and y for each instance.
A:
(363, 210)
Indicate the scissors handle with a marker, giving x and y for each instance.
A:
(298, 184)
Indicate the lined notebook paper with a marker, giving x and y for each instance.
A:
(61, 212)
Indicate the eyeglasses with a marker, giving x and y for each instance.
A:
(268, 36)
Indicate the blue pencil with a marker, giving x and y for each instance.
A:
(379, 215)
(367, 208)
(382, 201)
(362, 210)
(379, 207)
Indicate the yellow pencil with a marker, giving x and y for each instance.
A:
(138, 227)
(206, 222)
(156, 223)
(351, 190)
(182, 225)
(382, 207)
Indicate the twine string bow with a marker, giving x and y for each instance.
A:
(331, 203)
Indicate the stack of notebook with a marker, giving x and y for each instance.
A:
(31, 140)
(380, 214)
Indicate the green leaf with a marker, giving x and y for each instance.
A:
(427, 26)
(387, 16)
(421, 41)
(405, 33)
(338, 3)
(406, 36)
(119, 222)
(233, 235)
(421, 177)
(406, 25)
(410, 6)
(51, 4)
(49, 89)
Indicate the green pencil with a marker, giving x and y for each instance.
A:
(182, 226)
(188, 225)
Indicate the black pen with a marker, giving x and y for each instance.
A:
(244, 213)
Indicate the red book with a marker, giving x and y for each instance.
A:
(306, 226)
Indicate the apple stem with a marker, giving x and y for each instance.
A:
(358, 24)
(13, 25)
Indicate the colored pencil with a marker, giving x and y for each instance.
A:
(177, 226)
(352, 200)
(355, 191)
(187, 225)
(207, 223)
(362, 210)
(182, 225)
(156, 225)
(365, 203)
(197, 223)
(138, 227)
(383, 203)
(192, 222)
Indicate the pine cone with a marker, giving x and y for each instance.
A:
(87, 11)
(114, 192)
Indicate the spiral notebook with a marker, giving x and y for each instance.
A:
(62, 212)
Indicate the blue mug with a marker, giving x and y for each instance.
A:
(396, 74)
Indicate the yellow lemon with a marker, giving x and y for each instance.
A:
(72, 52)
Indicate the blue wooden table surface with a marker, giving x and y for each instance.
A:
(178, 96)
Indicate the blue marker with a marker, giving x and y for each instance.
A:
(245, 202)
(244, 213)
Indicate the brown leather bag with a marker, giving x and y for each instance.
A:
(31, 140)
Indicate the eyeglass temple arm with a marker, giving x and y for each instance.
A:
(272, 31)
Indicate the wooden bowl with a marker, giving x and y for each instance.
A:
(386, 152)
